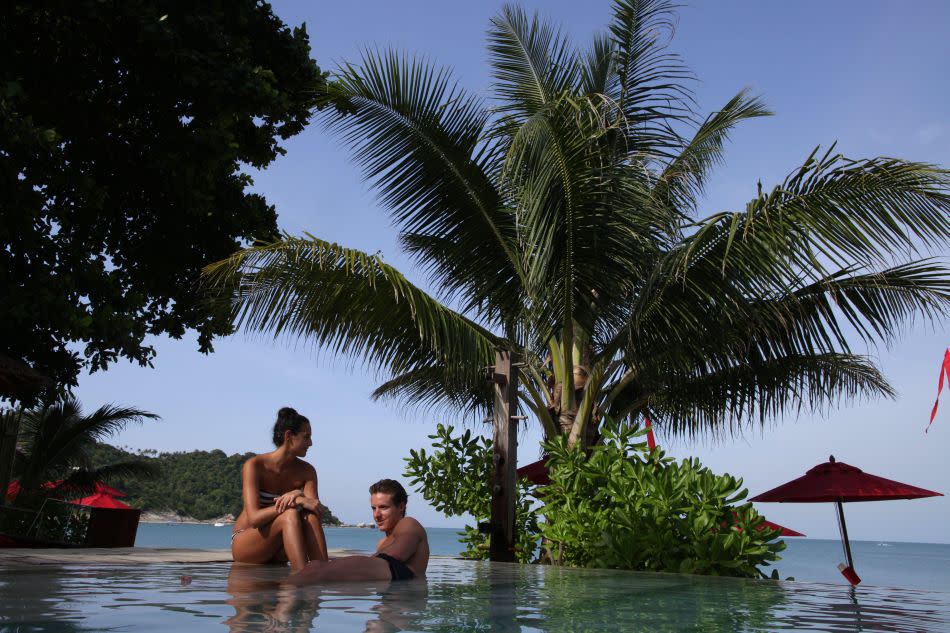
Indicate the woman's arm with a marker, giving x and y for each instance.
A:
(310, 499)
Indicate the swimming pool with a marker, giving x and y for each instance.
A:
(456, 596)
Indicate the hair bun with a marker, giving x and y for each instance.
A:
(287, 420)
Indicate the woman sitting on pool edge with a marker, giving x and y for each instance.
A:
(280, 521)
(403, 554)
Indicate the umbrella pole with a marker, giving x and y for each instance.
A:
(844, 533)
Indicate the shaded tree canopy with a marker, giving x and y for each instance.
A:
(123, 130)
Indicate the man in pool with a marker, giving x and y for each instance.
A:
(403, 554)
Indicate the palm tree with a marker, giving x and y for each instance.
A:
(55, 441)
(562, 222)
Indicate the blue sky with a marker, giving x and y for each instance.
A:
(869, 75)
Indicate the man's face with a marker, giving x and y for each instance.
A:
(386, 514)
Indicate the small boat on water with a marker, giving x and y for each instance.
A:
(218, 524)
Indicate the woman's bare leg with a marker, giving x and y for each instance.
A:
(348, 568)
(316, 540)
(263, 545)
(295, 543)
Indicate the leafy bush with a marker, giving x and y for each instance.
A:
(612, 505)
(617, 506)
(456, 480)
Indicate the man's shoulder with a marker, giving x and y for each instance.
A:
(410, 524)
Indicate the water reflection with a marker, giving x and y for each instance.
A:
(263, 601)
(826, 607)
(504, 598)
(456, 596)
(401, 607)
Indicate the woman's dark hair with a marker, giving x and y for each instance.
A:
(390, 487)
(287, 420)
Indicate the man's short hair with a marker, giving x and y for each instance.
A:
(390, 487)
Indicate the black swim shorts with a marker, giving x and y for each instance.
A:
(397, 569)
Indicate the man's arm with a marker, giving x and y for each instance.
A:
(405, 540)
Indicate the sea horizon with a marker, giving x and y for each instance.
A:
(462, 529)
(806, 559)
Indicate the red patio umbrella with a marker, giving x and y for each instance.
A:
(535, 472)
(101, 500)
(14, 489)
(838, 482)
(783, 531)
(108, 490)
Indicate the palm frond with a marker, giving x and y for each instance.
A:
(133, 469)
(846, 218)
(532, 63)
(419, 139)
(442, 389)
(724, 401)
(709, 322)
(650, 84)
(55, 438)
(682, 181)
(598, 70)
(348, 302)
(839, 211)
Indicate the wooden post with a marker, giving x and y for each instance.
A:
(504, 459)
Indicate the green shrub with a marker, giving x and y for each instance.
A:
(456, 480)
(614, 505)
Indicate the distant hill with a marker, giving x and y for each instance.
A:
(200, 484)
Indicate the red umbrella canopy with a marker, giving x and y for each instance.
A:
(783, 531)
(536, 473)
(775, 526)
(14, 489)
(101, 500)
(837, 481)
(108, 490)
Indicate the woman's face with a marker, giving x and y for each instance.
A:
(299, 443)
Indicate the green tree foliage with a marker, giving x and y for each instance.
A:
(563, 220)
(456, 479)
(200, 484)
(613, 505)
(123, 130)
(57, 443)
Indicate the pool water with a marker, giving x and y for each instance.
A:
(456, 596)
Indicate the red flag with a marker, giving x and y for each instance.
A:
(651, 442)
(944, 371)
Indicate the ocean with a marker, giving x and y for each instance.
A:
(893, 564)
